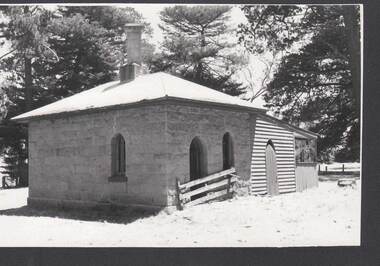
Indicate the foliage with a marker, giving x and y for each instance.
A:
(196, 47)
(257, 76)
(69, 50)
(314, 85)
(25, 28)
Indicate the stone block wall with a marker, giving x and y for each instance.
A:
(70, 158)
(209, 124)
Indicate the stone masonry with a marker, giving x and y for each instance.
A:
(209, 124)
(70, 157)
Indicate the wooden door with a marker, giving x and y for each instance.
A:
(271, 170)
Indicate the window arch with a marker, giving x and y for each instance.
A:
(118, 163)
(228, 151)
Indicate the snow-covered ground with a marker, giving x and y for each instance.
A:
(324, 216)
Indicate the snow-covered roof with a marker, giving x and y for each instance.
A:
(144, 88)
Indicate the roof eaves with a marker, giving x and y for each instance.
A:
(137, 104)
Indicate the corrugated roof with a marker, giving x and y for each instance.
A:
(143, 88)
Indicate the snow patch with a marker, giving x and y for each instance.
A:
(325, 216)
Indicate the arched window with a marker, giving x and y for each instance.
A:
(198, 159)
(228, 151)
(118, 164)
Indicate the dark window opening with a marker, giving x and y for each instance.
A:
(198, 164)
(198, 159)
(118, 165)
(228, 151)
(306, 150)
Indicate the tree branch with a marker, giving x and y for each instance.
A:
(4, 55)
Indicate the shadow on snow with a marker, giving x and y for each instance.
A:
(112, 214)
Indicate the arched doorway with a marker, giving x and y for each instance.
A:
(198, 163)
(271, 169)
(198, 159)
(228, 151)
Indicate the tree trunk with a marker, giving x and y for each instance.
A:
(199, 69)
(23, 167)
(28, 83)
(353, 40)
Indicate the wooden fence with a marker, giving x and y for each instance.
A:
(206, 188)
(337, 171)
(4, 183)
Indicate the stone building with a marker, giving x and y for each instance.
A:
(125, 142)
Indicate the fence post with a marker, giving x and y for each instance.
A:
(178, 198)
(342, 168)
(229, 187)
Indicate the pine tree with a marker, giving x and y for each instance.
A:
(26, 30)
(315, 84)
(196, 47)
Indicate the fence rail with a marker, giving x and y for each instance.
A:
(205, 189)
(334, 170)
(4, 183)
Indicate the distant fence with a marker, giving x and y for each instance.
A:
(334, 170)
(6, 183)
(205, 189)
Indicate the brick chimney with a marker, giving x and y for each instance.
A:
(132, 68)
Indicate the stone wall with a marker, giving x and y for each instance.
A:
(70, 158)
(209, 124)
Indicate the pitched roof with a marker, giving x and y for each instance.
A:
(144, 88)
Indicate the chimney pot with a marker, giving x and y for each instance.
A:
(129, 72)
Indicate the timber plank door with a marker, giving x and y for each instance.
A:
(271, 170)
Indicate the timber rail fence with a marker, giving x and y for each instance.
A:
(206, 188)
(338, 171)
(4, 183)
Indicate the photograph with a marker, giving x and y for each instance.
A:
(180, 125)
